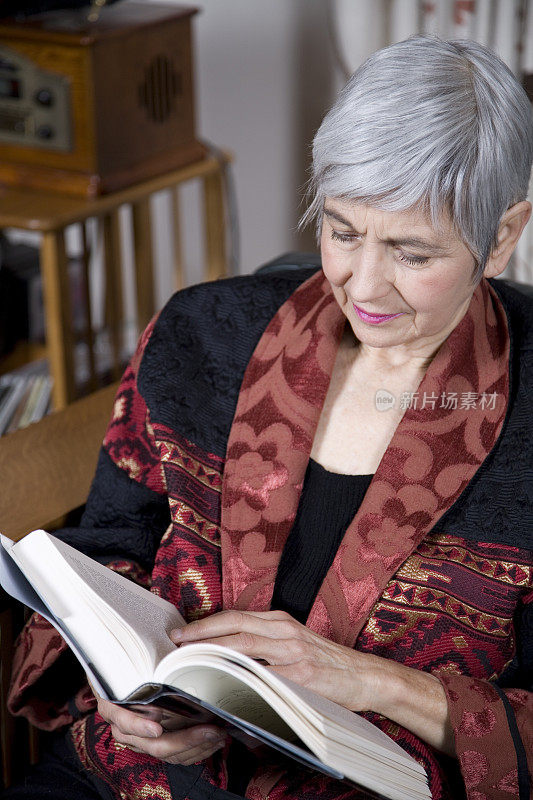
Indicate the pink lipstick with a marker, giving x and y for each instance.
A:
(374, 319)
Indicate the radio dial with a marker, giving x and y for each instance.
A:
(44, 97)
(45, 132)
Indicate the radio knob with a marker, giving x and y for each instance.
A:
(45, 132)
(44, 97)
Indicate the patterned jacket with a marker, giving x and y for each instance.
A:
(198, 484)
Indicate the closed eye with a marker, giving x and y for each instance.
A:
(413, 261)
(406, 258)
(338, 236)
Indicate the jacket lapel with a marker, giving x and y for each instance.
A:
(440, 443)
(279, 404)
(435, 452)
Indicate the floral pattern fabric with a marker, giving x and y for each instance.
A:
(405, 584)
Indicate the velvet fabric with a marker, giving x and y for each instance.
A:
(205, 457)
(434, 453)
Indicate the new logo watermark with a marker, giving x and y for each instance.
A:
(469, 401)
(384, 400)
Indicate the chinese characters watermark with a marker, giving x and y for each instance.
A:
(450, 401)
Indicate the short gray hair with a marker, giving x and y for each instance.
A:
(442, 125)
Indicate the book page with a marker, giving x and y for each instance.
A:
(245, 690)
(316, 719)
(334, 716)
(76, 611)
(227, 692)
(342, 739)
(99, 599)
(139, 608)
(15, 583)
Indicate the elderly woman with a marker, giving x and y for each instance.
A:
(338, 462)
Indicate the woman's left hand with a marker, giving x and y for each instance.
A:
(291, 650)
(358, 681)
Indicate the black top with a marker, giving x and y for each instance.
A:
(328, 504)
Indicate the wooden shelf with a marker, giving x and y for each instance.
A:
(51, 213)
(35, 210)
(23, 353)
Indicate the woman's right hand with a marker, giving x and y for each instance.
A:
(144, 735)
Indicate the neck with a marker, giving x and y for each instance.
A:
(383, 359)
(413, 356)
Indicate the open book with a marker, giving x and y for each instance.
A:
(119, 632)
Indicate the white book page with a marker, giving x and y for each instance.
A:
(325, 715)
(226, 691)
(335, 718)
(65, 594)
(137, 618)
(15, 583)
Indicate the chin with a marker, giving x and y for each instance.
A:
(376, 340)
(383, 335)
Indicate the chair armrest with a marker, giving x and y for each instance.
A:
(47, 468)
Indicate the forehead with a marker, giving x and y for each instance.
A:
(414, 222)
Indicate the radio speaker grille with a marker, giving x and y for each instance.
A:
(161, 85)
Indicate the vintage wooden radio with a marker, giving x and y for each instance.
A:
(88, 108)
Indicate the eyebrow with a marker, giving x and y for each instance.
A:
(405, 241)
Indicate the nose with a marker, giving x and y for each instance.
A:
(370, 278)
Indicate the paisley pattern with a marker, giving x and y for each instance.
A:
(482, 734)
(268, 449)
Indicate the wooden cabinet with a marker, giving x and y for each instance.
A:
(97, 106)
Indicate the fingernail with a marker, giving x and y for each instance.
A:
(213, 736)
(176, 634)
(153, 733)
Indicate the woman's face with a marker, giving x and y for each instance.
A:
(400, 282)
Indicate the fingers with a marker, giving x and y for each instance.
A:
(289, 649)
(265, 648)
(272, 624)
(128, 722)
(271, 636)
(148, 712)
(176, 747)
(144, 735)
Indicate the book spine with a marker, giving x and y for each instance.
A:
(9, 407)
(27, 415)
(43, 401)
(19, 411)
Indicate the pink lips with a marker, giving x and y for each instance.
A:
(374, 319)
